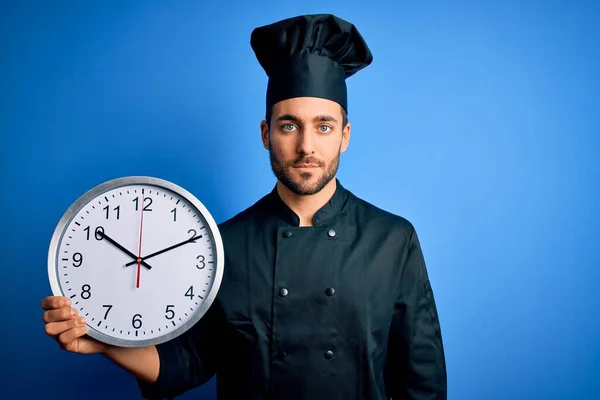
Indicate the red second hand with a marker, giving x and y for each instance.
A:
(139, 260)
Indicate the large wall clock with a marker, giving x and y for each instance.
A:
(141, 259)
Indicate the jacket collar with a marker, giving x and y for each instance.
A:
(331, 209)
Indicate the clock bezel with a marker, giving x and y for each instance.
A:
(93, 193)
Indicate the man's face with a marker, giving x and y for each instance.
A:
(304, 142)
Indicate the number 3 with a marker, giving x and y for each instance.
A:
(201, 258)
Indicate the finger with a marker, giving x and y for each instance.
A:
(51, 302)
(58, 328)
(60, 314)
(66, 338)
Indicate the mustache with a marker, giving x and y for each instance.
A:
(306, 160)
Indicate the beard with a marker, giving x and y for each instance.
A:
(304, 186)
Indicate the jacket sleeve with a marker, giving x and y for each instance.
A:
(188, 360)
(416, 368)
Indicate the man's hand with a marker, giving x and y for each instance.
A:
(64, 325)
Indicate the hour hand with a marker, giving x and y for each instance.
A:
(123, 249)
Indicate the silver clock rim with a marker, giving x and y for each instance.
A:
(132, 180)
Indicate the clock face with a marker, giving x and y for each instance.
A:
(141, 259)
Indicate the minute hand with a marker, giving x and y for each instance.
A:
(167, 249)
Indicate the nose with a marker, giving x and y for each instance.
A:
(306, 143)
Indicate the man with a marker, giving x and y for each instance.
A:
(324, 296)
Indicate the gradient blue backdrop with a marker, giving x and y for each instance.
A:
(477, 121)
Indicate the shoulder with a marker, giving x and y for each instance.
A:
(372, 215)
(243, 218)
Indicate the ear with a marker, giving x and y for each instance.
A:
(346, 137)
(264, 133)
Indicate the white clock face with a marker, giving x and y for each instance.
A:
(140, 258)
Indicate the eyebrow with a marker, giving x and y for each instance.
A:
(319, 118)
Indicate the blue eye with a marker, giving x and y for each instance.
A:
(288, 127)
(325, 128)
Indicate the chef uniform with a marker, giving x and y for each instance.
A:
(340, 310)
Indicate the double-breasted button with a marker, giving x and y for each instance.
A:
(283, 292)
(328, 354)
(331, 233)
(282, 355)
(287, 234)
(329, 291)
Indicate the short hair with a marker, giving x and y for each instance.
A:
(343, 110)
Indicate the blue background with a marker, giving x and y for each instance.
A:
(477, 121)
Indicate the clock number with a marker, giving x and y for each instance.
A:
(190, 293)
(193, 235)
(201, 258)
(78, 260)
(117, 209)
(137, 203)
(174, 211)
(86, 292)
(137, 319)
(98, 229)
(108, 309)
(169, 314)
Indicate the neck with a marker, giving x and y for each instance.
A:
(306, 206)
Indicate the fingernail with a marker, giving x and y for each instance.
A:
(66, 302)
(80, 321)
(73, 312)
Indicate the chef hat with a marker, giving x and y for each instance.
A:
(309, 55)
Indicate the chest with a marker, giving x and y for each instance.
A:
(344, 276)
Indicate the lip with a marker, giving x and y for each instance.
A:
(303, 166)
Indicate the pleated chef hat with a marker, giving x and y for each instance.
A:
(310, 56)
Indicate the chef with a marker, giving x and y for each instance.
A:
(324, 295)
